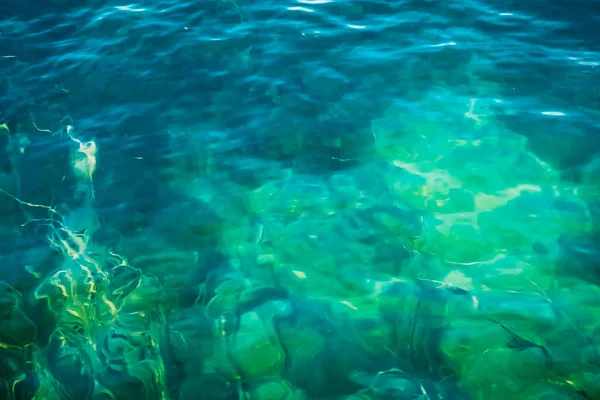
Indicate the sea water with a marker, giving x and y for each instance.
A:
(299, 199)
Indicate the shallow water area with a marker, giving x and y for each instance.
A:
(311, 199)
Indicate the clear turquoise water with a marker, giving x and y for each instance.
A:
(301, 200)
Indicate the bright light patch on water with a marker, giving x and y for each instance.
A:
(130, 8)
(585, 63)
(300, 9)
(444, 44)
(356, 26)
(553, 113)
(347, 303)
(315, 1)
(505, 14)
(299, 274)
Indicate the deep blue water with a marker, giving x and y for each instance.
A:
(309, 199)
